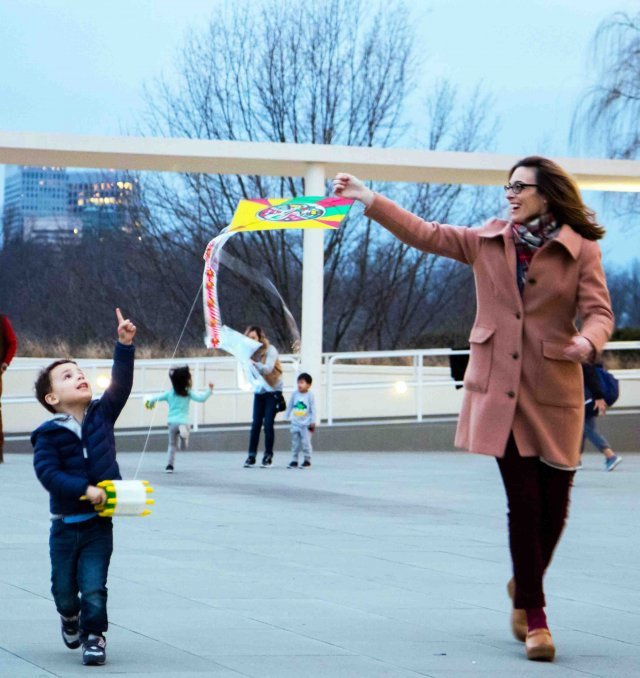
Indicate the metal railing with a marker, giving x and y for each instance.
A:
(95, 369)
(405, 369)
(420, 379)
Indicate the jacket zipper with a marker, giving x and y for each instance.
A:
(85, 452)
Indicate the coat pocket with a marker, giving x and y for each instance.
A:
(558, 380)
(476, 377)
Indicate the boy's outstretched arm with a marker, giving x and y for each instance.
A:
(115, 397)
(126, 329)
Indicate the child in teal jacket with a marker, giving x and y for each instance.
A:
(179, 398)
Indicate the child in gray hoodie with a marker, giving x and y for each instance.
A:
(302, 414)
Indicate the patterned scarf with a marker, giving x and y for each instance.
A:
(529, 238)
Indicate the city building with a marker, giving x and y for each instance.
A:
(35, 204)
(54, 204)
(103, 200)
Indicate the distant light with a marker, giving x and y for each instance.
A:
(400, 387)
(139, 237)
(103, 381)
(76, 231)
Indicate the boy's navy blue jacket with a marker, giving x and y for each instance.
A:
(68, 458)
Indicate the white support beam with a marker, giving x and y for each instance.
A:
(313, 291)
(273, 159)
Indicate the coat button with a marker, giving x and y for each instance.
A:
(515, 355)
(532, 281)
(518, 315)
(511, 394)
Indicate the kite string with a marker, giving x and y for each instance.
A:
(175, 350)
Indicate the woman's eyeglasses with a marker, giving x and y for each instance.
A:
(516, 187)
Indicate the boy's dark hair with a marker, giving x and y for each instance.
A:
(180, 380)
(43, 383)
(305, 377)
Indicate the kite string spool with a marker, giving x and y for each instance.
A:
(125, 498)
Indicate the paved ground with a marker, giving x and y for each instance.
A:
(379, 564)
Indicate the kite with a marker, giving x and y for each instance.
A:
(261, 214)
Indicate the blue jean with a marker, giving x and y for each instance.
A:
(80, 555)
(264, 413)
(591, 434)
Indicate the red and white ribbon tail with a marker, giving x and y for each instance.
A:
(212, 318)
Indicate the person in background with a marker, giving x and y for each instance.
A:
(535, 272)
(178, 398)
(8, 347)
(266, 397)
(595, 405)
(301, 412)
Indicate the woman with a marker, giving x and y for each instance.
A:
(523, 400)
(266, 397)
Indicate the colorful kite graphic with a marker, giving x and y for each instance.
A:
(263, 214)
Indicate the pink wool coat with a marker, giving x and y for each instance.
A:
(518, 379)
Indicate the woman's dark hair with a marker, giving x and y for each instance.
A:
(258, 330)
(565, 201)
(180, 380)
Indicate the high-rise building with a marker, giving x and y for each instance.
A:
(54, 204)
(35, 205)
(103, 200)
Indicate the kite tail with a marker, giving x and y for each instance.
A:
(213, 322)
(210, 300)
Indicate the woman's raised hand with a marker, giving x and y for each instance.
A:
(350, 187)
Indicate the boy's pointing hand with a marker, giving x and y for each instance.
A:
(126, 329)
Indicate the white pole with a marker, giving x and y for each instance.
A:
(313, 290)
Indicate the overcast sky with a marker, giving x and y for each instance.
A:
(78, 67)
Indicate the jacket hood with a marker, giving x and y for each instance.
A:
(64, 421)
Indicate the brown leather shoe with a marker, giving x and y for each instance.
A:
(519, 626)
(539, 645)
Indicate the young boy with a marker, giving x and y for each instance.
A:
(73, 452)
(302, 414)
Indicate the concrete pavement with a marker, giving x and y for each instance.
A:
(368, 564)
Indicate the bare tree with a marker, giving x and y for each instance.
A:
(392, 295)
(267, 76)
(624, 287)
(608, 118)
(333, 78)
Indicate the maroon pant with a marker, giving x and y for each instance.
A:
(538, 499)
